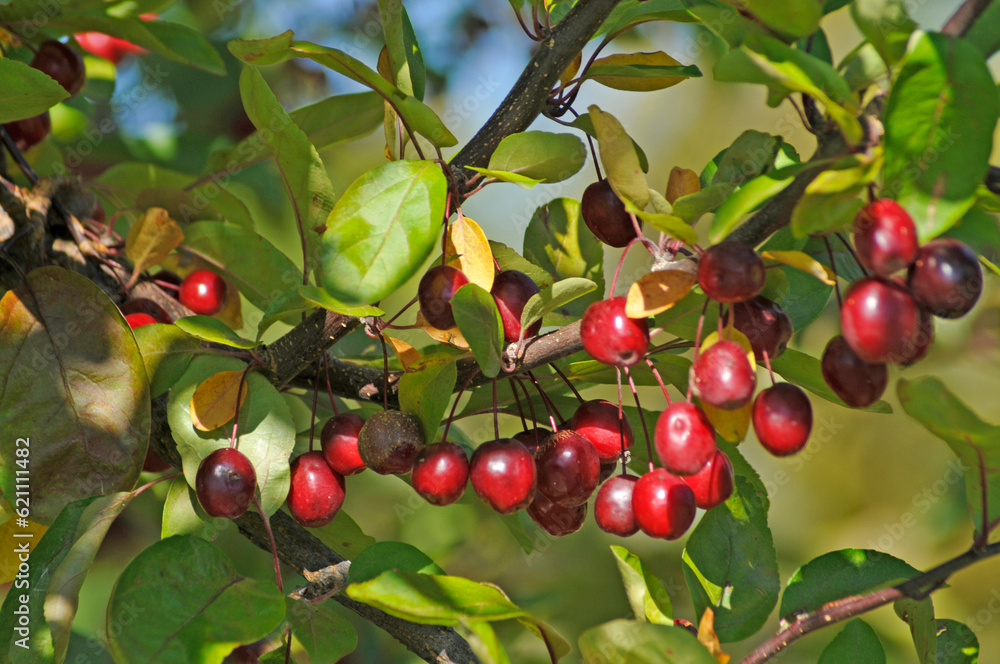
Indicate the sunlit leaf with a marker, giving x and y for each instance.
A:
(211, 329)
(553, 297)
(646, 594)
(540, 155)
(382, 230)
(468, 244)
(212, 607)
(478, 318)
(804, 262)
(640, 72)
(633, 642)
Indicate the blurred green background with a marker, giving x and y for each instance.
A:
(861, 477)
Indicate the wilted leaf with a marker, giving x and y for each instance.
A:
(215, 402)
(708, 638)
(656, 292)
(682, 182)
(153, 235)
(406, 353)
(452, 337)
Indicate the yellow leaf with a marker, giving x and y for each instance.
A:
(708, 638)
(804, 262)
(571, 71)
(406, 353)
(682, 182)
(468, 244)
(656, 292)
(214, 402)
(634, 83)
(14, 536)
(452, 336)
(152, 237)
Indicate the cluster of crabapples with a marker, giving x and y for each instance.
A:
(552, 474)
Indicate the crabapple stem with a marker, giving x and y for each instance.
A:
(549, 406)
(567, 381)
(496, 415)
(833, 267)
(236, 419)
(329, 387)
(642, 418)
(312, 421)
(270, 537)
(527, 397)
(697, 342)
(656, 374)
(517, 401)
(458, 397)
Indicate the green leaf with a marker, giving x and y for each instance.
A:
(840, 574)
(33, 642)
(334, 119)
(27, 92)
(976, 443)
(919, 615)
(183, 514)
(646, 594)
(956, 643)
(382, 230)
(857, 643)
(747, 198)
(751, 154)
(302, 171)
(553, 297)
(211, 329)
(406, 62)
(639, 76)
(632, 642)
(425, 390)
(195, 606)
(320, 298)
(886, 24)
(672, 225)
(167, 351)
(983, 33)
(511, 260)
(267, 432)
(805, 371)
(478, 318)
(793, 19)
(730, 563)
(434, 599)
(634, 12)
(585, 124)
(540, 155)
(834, 198)
(863, 67)
(325, 634)
(384, 556)
(785, 70)
(483, 640)
(419, 117)
(939, 122)
(344, 536)
(558, 241)
(619, 158)
(690, 208)
(522, 181)
(90, 413)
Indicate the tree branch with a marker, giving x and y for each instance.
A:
(304, 552)
(916, 588)
(527, 98)
(964, 17)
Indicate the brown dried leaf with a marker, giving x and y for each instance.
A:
(214, 402)
(658, 291)
(152, 237)
(682, 182)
